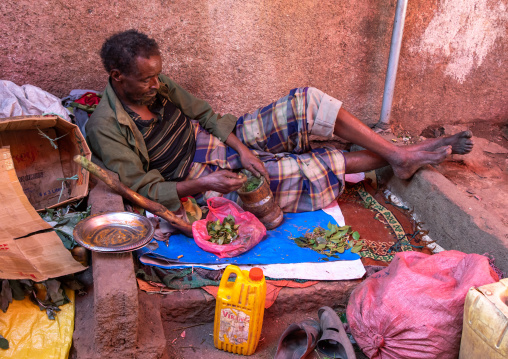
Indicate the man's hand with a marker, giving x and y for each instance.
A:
(224, 181)
(248, 158)
(253, 164)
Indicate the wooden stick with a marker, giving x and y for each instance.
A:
(149, 205)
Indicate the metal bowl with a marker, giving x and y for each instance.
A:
(114, 232)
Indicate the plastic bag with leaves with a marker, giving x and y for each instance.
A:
(249, 231)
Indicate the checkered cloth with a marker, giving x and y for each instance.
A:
(302, 179)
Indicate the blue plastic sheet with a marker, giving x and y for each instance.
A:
(277, 247)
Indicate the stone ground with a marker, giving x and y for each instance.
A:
(483, 175)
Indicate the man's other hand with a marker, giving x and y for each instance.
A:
(248, 159)
(252, 163)
(224, 181)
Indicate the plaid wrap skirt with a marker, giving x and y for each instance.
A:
(301, 179)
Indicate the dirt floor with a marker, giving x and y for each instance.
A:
(196, 341)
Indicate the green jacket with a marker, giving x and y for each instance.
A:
(114, 139)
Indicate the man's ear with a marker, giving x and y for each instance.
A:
(116, 75)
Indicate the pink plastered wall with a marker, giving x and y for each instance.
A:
(239, 55)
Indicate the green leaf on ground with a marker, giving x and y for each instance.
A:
(4, 343)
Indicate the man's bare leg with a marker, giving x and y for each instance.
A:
(363, 161)
(405, 160)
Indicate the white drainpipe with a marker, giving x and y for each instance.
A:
(393, 62)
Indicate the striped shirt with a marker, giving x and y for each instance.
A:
(169, 138)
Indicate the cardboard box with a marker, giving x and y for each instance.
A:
(26, 252)
(42, 148)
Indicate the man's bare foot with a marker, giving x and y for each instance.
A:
(461, 143)
(411, 161)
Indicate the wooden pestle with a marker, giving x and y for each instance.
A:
(149, 205)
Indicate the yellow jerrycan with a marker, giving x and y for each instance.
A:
(485, 327)
(239, 310)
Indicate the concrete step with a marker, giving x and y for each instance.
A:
(197, 306)
(454, 219)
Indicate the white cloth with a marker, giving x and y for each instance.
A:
(28, 100)
(335, 270)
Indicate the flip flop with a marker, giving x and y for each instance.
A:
(298, 340)
(334, 342)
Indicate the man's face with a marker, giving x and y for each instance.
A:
(140, 87)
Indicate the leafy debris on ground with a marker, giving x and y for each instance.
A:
(47, 295)
(63, 220)
(222, 233)
(332, 241)
(4, 344)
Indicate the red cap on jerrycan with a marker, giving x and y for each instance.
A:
(256, 274)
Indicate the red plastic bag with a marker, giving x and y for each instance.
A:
(414, 308)
(250, 232)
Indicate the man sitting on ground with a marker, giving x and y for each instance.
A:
(166, 144)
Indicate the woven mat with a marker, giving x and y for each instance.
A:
(385, 227)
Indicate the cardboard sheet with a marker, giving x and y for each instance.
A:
(37, 257)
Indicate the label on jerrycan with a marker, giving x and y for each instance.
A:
(234, 324)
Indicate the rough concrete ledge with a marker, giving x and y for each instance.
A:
(115, 320)
(453, 219)
(115, 290)
(197, 306)
(190, 306)
(334, 294)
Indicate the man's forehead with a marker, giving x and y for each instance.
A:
(148, 66)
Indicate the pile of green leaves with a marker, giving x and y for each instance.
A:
(252, 184)
(222, 233)
(63, 220)
(331, 241)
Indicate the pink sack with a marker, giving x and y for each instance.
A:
(250, 232)
(414, 307)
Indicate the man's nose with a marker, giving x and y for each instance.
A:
(154, 83)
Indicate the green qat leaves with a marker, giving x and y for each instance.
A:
(332, 241)
(222, 233)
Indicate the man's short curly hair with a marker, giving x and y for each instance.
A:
(120, 50)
